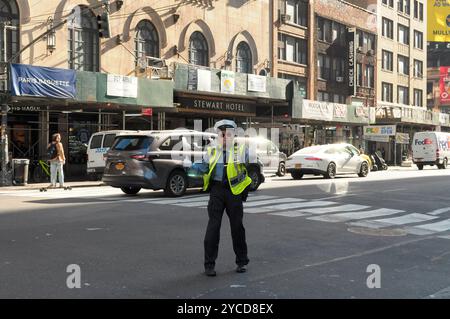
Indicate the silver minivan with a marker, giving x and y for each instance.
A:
(161, 160)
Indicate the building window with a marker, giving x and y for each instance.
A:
(418, 97)
(359, 74)
(416, 9)
(403, 65)
(408, 7)
(420, 11)
(323, 67)
(292, 49)
(418, 69)
(324, 29)
(147, 40)
(369, 76)
(401, 4)
(198, 49)
(298, 11)
(366, 41)
(300, 81)
(403, 34)
(323, 96)
(83, 40)
(402, 95)
(418, 40)
(244, 60)
(338, 69)
(389, 3)
(9, 12)
(387, 62)
(386, 94)
(388, 28)
(339, 98)
(429, 88)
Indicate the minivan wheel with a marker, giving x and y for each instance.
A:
(255, 177)
(281, 169)
(176, 184)
(129, 190)
(364, 171)
(420, 167)
(331, 171)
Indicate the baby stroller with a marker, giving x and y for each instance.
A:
(379, 161)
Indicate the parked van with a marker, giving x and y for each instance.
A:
(431, 148)
(99, 144)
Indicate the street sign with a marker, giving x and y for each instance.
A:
(148, 111)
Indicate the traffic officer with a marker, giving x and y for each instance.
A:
(226, 177)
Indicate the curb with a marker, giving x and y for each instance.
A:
(27, 188)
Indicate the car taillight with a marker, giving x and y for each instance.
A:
(313, 159)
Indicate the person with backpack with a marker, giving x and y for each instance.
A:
(55, 153)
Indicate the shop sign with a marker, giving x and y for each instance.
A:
(377, 138)
(438, 20)
(227, 82)
(444, 84)
(340, 110)
(362, 111)
(380, 130)
(351, 61)
(15, 108)
(317, 110)
(122, 86)
(256, 83)
(402, 138)
(216, 105)
(28, 80)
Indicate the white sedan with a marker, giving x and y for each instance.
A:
(327, 160)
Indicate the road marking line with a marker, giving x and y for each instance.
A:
(290, 213)
(335, 218)
(271, 201)
(180, 200)
(267, 209)
(203, 202)
(441, 226)
(439, 211)
(387, 222)
(341, 208)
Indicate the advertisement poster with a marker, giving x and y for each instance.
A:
(122, 86)
(227, 81)
(444, 84)
(438, 20)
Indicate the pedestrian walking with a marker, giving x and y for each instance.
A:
(55, 152)
(226, 177)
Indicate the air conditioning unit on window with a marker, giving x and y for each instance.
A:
(340, 79)
(285, 18)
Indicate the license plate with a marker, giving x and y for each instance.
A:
(120, 166)
(298, 165)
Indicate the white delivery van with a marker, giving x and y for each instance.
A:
(99, 144)
(431, 148)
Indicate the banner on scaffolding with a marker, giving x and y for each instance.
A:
(28, 80)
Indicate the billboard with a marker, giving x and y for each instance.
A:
(438, 20)
(444, 84)
(351, 37)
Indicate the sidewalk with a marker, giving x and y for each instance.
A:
(41, 185)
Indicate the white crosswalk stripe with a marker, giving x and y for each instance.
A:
(437, 227)
(252, 203)
(335, 209)
(395, 221)
(271, 208)
(335, 218)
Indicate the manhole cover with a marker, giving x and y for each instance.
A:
(377, 232)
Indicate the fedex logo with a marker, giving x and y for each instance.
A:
(426, 141)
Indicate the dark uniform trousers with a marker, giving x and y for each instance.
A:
(221, 198)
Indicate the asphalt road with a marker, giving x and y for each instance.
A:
(311, 238)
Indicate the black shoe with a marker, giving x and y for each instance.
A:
(241, 269)
(210, 272)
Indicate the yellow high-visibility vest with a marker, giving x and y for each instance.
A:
(236, 171)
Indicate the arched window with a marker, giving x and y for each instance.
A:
(147, 40)
(83, 40)
(244, 58)
(198, 49)
(9, 12)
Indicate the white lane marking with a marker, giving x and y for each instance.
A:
(271, 208)
(356, 215)
(203, 202)
(387, 222)
(180, 200)
(272, 201)
(290, 213)
(342, 208)
(439, 211)
(435, 227)
(445, 237)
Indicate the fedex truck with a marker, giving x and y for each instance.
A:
(431, 148)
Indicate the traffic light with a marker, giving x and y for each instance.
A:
(103, 25)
